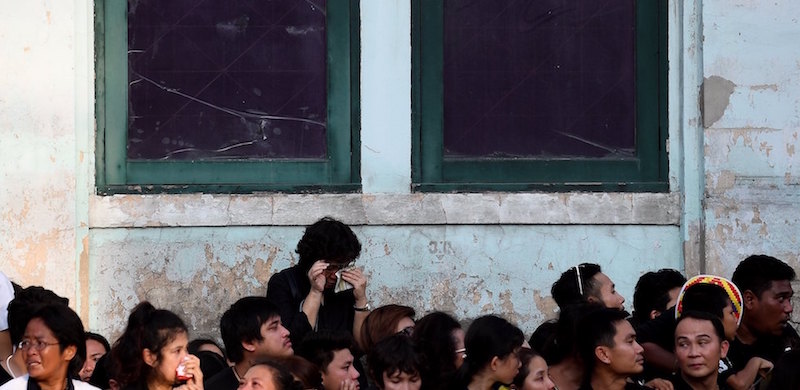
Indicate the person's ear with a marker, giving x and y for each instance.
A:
(495, 363)
(654, 313)
(603, 354)
(149, 357)
(750, 299)
(723, 348)
(592, 299)
(69, 352)
(249, 346)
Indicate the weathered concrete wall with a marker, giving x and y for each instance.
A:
(751, 112)
(732, 184)
(467, 270)
(38, 154)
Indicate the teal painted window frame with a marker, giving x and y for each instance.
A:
(339, 172)
(645, 172)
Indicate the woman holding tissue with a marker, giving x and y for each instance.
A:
(324, 291)
(152, 353)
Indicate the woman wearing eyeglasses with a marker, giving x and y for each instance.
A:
(53, 347)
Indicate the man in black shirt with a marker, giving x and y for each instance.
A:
(251, 330)
(765, 332)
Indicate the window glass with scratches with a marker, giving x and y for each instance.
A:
(227, 96)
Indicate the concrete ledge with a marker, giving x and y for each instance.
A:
(123, 211)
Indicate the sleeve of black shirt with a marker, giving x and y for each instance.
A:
(659, 330)
(279, 292)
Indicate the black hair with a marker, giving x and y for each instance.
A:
(327, 239)
(433, 335)
(597, 328)
(242, 322)
(282, 377)
(562, 342)
(566, 291)
(487, 337)
(100, 339)
(705, 316)
(757, 272)
(705, 297)
(148, 328)
(67, 328)
(27, 301)
(652, 292)
(525, 357)
(318, 347)
(392, 354)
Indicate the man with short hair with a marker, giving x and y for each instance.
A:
(331, 351)
(608, 347)
(586, 283)
(655, 292)
(766, 285)
(700, 344)
(251, 330)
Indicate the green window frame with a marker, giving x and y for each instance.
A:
(647, 171)
(339, 172)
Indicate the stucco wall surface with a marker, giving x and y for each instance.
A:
(38, 155)
(752, 119)
(466, 270)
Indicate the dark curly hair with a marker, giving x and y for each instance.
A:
(330, 240)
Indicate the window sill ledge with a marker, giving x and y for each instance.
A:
(207, 210)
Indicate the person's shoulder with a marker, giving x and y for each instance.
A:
(16, 383)
(83, 385)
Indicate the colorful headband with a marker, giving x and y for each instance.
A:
(733, 293)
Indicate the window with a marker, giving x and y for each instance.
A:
(531, 95)
(227, 96)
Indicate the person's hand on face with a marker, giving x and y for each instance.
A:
(192, 364)
(356, 277)
(317, 276)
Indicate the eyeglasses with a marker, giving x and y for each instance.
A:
(38, 345)
(336, 267)
(408, 331)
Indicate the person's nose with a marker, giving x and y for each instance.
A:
(787, 306)
(284, 331)
(353, 373)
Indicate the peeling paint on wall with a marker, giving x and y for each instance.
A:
(716, 93)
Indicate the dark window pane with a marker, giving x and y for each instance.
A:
(226, 79)
(539, 78)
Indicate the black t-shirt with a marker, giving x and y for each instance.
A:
(767, 347)
(659, 331)
(224, 380)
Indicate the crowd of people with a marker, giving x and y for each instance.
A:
(315, 329)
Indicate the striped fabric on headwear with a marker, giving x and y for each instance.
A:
(733, 293)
